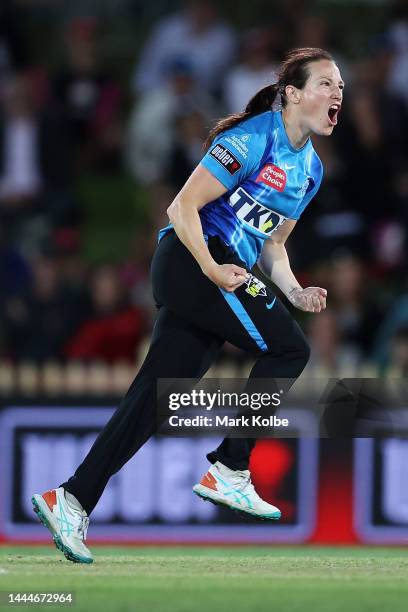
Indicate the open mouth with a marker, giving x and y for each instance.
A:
(332, 113)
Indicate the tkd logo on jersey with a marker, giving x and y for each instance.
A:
(250, 212)
(225, 158)
(273, 176)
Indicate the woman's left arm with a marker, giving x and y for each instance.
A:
(274, 263)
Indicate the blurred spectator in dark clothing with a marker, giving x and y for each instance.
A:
(396, 318)
(90, 97)
(397, 82)
(197, 34)
(333, 220)
(286, 15)
(72, 269)
(114, 328)
(344, 335)
(378, 116)
(325, 342)
(257, 69)
(20, 152)
(134, 272)
(35, 160)
(313, 30)
(375, 144)
(398, 363)
(398, 34)
(187, 151)
(154, 122)
(15, 273)
(363, 199)
(13, 48)
(356, 309)
(39, 322)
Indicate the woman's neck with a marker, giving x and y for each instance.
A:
(297, 134)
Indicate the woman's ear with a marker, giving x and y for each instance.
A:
(292, 94)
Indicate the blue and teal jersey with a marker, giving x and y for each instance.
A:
(267, 181)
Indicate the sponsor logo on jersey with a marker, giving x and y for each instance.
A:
(255, 287)
(225, 158)
(236, 143)
(250, 212)
(273, 176)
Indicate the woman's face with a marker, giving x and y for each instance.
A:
(320, 99)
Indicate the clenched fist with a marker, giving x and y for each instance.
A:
(227, 276)
(310, 299)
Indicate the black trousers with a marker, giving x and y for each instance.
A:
(194, 319)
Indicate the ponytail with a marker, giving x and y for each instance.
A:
(262, 101)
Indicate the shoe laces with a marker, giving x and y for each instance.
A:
(83, 526)
(242, 479)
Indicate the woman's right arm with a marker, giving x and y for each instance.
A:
(202, 187)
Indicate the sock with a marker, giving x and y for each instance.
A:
(73, 502)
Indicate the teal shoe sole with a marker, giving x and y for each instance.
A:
(68, 553)
(264, 517)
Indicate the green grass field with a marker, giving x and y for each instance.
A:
(244, 579)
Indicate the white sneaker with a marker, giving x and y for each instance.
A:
(234, 488)
(68, 525)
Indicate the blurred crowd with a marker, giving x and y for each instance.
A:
(78, 116)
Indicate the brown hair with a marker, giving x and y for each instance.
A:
(293, 71)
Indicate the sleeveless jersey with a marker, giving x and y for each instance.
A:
(267, 181)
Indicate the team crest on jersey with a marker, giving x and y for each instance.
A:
(251, 213)
(224, 157)
(273, 176)
(303, 188)
(255, 287)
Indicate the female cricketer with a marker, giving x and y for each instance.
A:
(237, 208)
